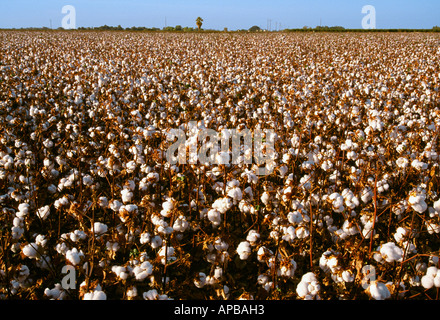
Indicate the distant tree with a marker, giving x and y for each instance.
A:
(225, 29)
(178, 28)
(436, 28)
(254, 29)
(199, 22)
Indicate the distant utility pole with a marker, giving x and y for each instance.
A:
(165, 22)
(50, 22)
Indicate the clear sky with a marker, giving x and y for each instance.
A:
(217, 14)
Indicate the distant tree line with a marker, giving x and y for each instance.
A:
(179, 28)
(342, 29)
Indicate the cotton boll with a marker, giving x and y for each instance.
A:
(302, 232)
(294, 217)
(43, 212)
(99, 228)
(244, 250)
(265, 198)
(151, 295)
(31, 251)
(308, 287)
(347, 276)
(215, 217)
(427, 282)
(168, 252)
(126, 195)
(74, 256)
(180, 225)
(253, 236)
(390, 252)
(115, 205)
(97, 294)
(378, 291)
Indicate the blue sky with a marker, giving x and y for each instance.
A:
(217, 14)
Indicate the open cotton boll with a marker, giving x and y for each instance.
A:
(31, 250)
(23, 210)
(168, 252)
(390, 252)
(308, 287)
(126, 195)
(143, 270)
(43, 212)
(74, 256)
(378, 290)
(99, 228)
(417, 202)
(419, 165)
(294, 217)
(215, 217)
(244, 250)
(180, 225)
(253, 236)
(96, 294)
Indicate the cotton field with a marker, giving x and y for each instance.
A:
(92, 209)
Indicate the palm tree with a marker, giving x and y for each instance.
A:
(199, 22)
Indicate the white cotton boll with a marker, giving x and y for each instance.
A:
(265, 198)
(31, 251)
(379, 291)
(427, 282)
(431, 271)
(235, 193)
(126, 195)
(167, 208)
(168, 252)
(347, 276)
(115, 205)
(390, 252)
(103, 202)
(144, 238)
(23, 210)
(400, 234)
(436, 206)
(253, 236)
(151, 295)
(55, 293)
(74, 256)
(87, 180)
(302, 232)
(43, 212)
(419, 165)
(349, 228)
(402, 162)
(218, 273)
(97, 294)
(215, 217)
(294, 217)
(156, 242)
(180, 225)
(420, 207)
(244, 250)
(437, 280)
(308, 287)
(366, 195)
(302, 289)
(99, 228)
